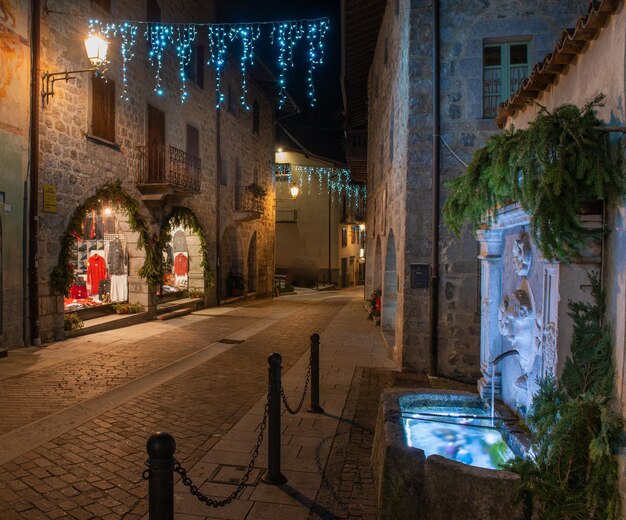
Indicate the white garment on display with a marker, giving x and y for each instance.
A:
(181, 280)
(119, 287)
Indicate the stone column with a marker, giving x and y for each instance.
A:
(491, 245)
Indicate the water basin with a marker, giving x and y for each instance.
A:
(464, 434)
(439, 449)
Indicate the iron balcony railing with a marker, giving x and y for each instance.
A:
(165, 165)
(246, 201)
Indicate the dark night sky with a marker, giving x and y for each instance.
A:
(316, 128)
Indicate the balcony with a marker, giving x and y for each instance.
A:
(353, 216)
(164, 170)
(247, 205)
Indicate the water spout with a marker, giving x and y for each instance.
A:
(506, 354)
(494, 362)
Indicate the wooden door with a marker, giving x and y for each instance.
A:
(156, 145)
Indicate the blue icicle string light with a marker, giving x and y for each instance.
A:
(182, 37)
(338, 181)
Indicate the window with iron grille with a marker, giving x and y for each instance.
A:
(103, 108)
(505, 66)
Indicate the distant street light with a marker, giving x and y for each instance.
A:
(295, 190)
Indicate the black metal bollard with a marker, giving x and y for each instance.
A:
(161, 447)
(315, 375)
(273, 474)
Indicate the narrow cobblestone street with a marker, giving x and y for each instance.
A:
(77, 414)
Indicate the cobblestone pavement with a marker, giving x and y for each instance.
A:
(211, 405)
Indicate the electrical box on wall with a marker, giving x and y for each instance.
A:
(420, 274)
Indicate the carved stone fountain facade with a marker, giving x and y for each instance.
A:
(524, 307)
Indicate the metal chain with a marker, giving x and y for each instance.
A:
(306, 389)
(255, 453)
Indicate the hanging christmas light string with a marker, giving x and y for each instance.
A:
(220, 38)
(337, 180)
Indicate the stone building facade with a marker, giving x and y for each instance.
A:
(76, 161)
(15, 67)
(400, 157)
(319, 235)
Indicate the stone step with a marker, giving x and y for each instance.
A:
(174, 314)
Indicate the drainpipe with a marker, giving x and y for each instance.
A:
(33, 217)
(434, 276)
(218, 184)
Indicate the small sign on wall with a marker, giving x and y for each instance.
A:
(420, 274)
(49, 198)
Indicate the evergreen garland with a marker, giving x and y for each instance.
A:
(113, 194)
(572, 472)
(551, 169)
(181, 216)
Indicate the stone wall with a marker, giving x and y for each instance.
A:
(250, 156)
(77, 164)
(14, 147)
(403, 86)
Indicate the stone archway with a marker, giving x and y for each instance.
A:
(390, 292)
(231, 262)
(378, 266)
(252, 264)
(182, 236)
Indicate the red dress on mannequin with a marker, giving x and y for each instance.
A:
(96, 271)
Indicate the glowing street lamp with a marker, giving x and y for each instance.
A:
(96, 47)
(295, 190)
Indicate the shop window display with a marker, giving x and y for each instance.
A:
(176, 263)
(100, 263)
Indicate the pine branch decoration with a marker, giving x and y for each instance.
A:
(551, 169)
(571, 472)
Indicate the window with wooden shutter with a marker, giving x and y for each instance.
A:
(194, 70)
(103, 108)
(153, 11)
(193, 141)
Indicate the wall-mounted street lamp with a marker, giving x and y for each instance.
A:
(295, 190)
(96, 47)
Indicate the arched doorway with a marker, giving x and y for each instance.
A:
(184, 252)
(232, 283)
(104, 254)
(378, 266)
(390, 292)
(252, 265)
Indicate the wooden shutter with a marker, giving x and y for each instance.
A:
(193, 141)
(103, 109)
(153, 11)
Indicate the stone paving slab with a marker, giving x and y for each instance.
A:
(93, 471)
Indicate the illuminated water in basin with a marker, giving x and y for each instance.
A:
(458, 433)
